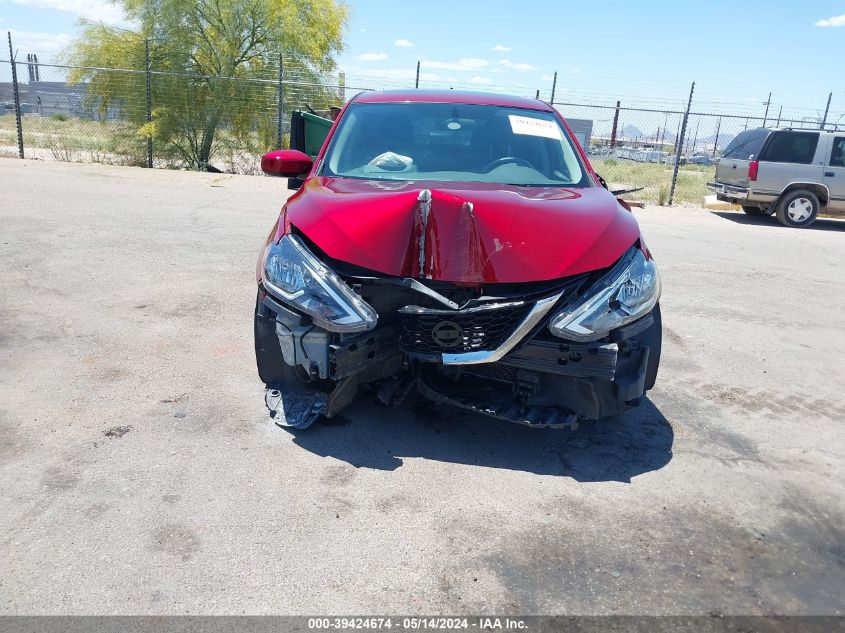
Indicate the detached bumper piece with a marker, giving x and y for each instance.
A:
(297, 408)
(464, 358)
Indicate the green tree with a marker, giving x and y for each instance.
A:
(214, 63)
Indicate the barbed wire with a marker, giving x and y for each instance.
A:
(172, 118)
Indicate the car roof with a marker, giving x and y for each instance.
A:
(452, 96)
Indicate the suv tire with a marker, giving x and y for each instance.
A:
(798, 208)
(753, 209)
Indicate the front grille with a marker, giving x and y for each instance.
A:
(460, 332)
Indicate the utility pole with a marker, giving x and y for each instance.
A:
(780, 111)
(554, 85)
(680, 144)
(826, 110)
(766, 114)
(716, 141)
(695, 141)
(537, 96)
(663, 135)
(17, 95)
(417, 82)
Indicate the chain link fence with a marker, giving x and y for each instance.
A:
(157, 118)
(637, 147)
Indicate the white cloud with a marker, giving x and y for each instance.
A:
(836, 20)
(517, 66)
(372, 57)
(501, 48)
(95, 10)
(486, 81)
(466, 64)
(403, 43)
(45, 45)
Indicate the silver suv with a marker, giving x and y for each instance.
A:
(793, 173)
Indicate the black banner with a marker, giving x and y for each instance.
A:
(494, 623)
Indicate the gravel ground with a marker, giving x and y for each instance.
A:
(141, 474)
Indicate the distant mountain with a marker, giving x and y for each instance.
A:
(631, 132)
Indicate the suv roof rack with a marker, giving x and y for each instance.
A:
(810, 129)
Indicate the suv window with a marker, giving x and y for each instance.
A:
(791, 147)
(746, 144)
(837, 156)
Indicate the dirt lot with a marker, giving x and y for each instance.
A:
(141, 474)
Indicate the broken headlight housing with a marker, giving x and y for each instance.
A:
(293, 274)
(628, 292)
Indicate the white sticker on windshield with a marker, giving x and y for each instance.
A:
(534, 127)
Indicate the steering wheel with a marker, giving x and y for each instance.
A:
(516, 160)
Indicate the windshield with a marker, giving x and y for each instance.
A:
(459, 142)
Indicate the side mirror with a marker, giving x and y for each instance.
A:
(288, 163)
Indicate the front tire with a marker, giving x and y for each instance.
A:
(798, 209)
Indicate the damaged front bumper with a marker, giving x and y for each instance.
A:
(519, 371)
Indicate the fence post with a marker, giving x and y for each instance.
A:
(280, 108)
(615, 124)
(766, 114)
(149, 102)
(679, 145)
(554, 85)
(826, 110)
(417, 82)
(17, 96)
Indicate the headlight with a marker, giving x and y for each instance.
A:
(629, 291)
(293, 274)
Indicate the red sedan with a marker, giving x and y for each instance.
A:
(456, 246)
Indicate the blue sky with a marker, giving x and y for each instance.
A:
(644, 52)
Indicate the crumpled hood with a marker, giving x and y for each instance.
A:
(472, 232)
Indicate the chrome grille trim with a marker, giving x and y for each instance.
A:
(534, 316)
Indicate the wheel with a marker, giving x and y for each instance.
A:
(753, 210)
(798, 208)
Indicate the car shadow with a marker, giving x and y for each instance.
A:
(371, 436)
(822, 224)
